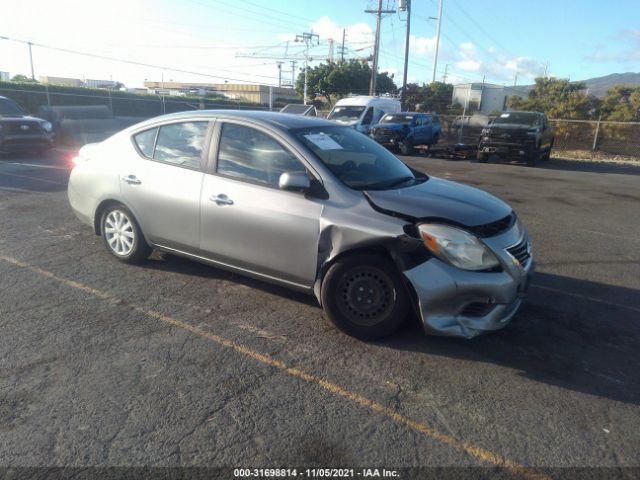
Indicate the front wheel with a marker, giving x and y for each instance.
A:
(363, 296)
(122, 235)
(533, 157)
(406, 147)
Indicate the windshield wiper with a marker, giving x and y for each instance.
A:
(388, 184)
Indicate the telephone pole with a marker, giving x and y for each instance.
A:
(308, 38)
(405, 5)
(344, 32)
(376, 46)
(33, 76)
(445, 75)
(435, 57)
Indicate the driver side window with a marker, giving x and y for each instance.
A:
(251, 155)
(368, 116)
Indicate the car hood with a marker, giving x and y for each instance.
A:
(509, 126)
(439, 199)
(389, 126)
(19, 118)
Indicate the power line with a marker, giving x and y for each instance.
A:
(134, 62)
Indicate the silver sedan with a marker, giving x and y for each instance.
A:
(313, 206)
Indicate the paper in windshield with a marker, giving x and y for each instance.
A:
(323, 142)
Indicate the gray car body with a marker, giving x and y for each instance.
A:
(291, 238)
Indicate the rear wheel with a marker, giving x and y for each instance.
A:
(363, 296)
(122, 235)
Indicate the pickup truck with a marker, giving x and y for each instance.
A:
(406, 130)
(525, 135)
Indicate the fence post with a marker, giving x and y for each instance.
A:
(595, 136)
(110, 102)
(46, 88)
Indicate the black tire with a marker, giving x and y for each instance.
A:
(482, 157)
(547, 156)
(406, 147)
(533, 157)
(128, 230)
(363, 295)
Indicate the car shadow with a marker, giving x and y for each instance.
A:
(570, 333)
(175, 264)
(573, 334)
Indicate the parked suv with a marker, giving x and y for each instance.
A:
(19, 131)
(525, 135)
(405, 130)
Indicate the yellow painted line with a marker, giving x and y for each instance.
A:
(473, 450)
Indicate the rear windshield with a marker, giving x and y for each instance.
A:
(519, 118)
(9, 107)
(346, 113)
(395, 118)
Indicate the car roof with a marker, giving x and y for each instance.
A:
(282, 121)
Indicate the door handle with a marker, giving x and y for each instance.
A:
(221, 199)
(131, 180)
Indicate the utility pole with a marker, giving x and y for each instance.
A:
(405, 4)
(444, 76)
(279, 73)
(308, 38)
(293, 73)
(435, 57)
(344, 32)
(515, 80)
(376, 46)
(33, 76)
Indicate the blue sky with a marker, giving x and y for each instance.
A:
(496, 39)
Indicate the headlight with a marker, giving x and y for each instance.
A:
(532, 132)
(46, 126)
(457, 247)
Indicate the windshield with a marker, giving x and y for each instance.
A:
(404, 119)
(517, 118)
(356, 160)
(9, 107)
(346, 113)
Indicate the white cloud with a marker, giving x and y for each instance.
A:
(359, 33)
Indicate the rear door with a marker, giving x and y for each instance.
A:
(162, 187)
(246, 220)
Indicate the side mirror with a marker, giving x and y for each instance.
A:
(294, 181)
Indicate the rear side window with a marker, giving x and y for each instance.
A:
(146, 141)
(181, 144)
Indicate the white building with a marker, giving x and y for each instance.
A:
(486, 97)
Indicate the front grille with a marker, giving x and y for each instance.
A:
(477, 309)
(521, 251)
(16, 128)
(508, 137)
(494, 228)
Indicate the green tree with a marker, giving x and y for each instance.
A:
(558, 98)
(621, 104)
(23, 79)
(336, 80)
(432, 97)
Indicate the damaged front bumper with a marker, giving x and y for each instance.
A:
(462, 303)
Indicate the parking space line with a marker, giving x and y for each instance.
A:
(475, 451)
(586, 297)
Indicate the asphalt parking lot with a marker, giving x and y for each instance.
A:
(173, 363)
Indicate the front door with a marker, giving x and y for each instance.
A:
(246, 220)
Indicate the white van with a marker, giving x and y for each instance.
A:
(362, 111)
